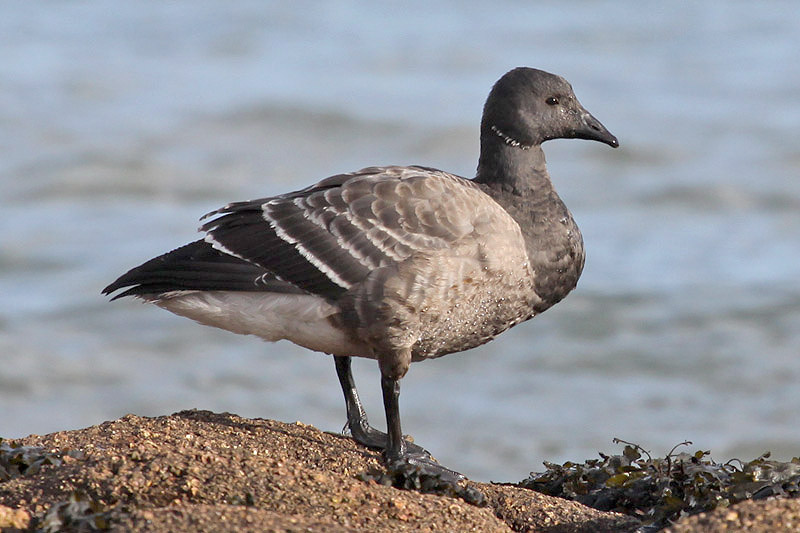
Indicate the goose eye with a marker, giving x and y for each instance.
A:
(552, 100)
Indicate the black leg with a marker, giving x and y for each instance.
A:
(396, 444)
(357, 421)
(400, 454)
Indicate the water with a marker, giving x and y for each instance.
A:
(120, 126)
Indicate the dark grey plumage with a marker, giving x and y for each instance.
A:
(397, 264)
(198, 267)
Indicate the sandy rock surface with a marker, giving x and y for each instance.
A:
(200, 471)
(764, 516)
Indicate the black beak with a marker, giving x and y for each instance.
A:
(592, 130)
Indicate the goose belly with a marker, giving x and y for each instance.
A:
(301, 319)
(473, 314)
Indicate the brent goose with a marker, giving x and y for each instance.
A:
(397, 264)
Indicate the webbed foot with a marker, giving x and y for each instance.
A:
(373, 438)
(422, 466)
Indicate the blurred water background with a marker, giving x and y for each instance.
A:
(121, 123)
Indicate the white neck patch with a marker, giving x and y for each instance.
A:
(509, 140)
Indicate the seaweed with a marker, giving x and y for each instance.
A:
(17, 460)
(79, 513)
(660, 491)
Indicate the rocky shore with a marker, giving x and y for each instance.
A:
(198, 471)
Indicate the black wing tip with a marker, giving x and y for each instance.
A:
(213, 213)
(197, 266)
(136, 277)
(121, 283)
(129, 292)
(112, 287)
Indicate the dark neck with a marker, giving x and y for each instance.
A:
(515, 169)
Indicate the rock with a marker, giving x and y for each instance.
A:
(752, 516)
(202, 471)
(13, 518)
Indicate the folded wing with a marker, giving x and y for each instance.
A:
(324, 239)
